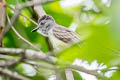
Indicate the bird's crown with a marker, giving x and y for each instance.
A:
(45, 17)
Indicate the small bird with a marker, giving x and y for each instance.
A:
(59, 36)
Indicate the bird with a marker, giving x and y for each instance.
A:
(59, 36)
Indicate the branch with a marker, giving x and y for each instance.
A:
(6, 57)
(10, 60)
(68, 70)
(24, 16)
(2, 19)
(92, 72)
(58, 75)
(29, 54)
(12, 74)
(38, 65)
(38, 9)
(20, 35)
(109, 69)
(32, 3)
(69, 74)
(13, 19)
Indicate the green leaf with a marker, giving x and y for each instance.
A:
(77, 76)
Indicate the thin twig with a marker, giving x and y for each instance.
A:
(20, 35)
(23, 15)
(13, 19)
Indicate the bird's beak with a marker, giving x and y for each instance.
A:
(35, 29)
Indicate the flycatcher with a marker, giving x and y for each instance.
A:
(59, 36)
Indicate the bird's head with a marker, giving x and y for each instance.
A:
(45, 23)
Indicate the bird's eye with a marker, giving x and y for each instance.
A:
(42, 23)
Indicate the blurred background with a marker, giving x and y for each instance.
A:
(96, 21)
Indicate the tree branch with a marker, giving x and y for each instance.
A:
(13, 19)
(58, 75)
(2, 19)
(69, 75)
(29, 54)
(23, 15)
(6, 57)
(12, 74)
(35, 55)
(92, 72)
(32, 3)
(20, 35)
(38, 9)
(10, 61)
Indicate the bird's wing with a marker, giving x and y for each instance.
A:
(65, 35)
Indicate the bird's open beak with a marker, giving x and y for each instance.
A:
(35, 29)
